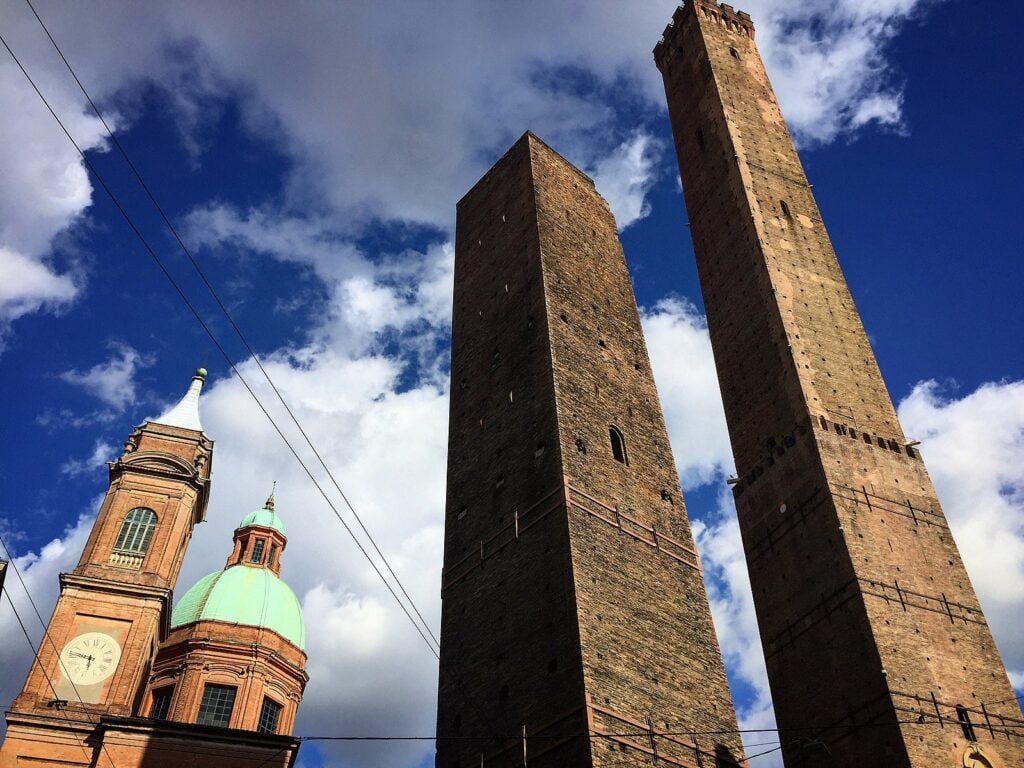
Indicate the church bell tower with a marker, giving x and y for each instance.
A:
(115, 606)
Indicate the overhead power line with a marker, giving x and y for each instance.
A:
(423, 631)
(35, 653)
(209, 286)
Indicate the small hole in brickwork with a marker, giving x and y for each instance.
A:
(581, 447)
(666, 496)
(734, 53)
(564, 317)
(600, 343)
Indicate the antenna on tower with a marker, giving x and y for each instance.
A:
(270, 499)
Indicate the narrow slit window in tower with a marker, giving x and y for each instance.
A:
(965, 722)
(618, 444)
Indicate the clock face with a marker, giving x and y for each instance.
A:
(90, 658)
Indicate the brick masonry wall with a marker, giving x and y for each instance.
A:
(866, 613)
(572, 597)
(257, 662)
(135, 743)
(165, 469)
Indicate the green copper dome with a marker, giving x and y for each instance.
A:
(243, 595)
(268, 518)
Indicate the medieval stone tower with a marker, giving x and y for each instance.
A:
(877, 650)
(573, 606)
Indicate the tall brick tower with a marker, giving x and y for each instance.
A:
(877, 650)
(573, 605)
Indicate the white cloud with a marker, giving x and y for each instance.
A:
(113, 381)
(684, 368)
(973, 447)
(46, 187)
(29, 285)
(626, 175)
(732, 605)
(401, 107)
(102, 452)
(828, 63)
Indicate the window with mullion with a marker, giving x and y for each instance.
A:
(161, 702)
(136, 531)
(216, 706)
(257, 551)
(270, 716)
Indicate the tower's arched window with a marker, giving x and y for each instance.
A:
(136, 531)
(618, 444)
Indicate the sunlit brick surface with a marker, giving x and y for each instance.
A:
(871, 629)
(573, 603)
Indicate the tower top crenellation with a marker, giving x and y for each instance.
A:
(722, 13)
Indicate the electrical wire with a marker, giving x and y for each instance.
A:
(254, 356)
(35, 652)
(230, 319)
(227, 358)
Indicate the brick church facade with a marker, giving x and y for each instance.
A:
(122, 681)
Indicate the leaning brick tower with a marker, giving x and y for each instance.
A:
(574, 611)
(877, 650)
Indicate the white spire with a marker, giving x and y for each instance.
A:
(186, 413)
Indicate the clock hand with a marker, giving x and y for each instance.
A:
(79, 655)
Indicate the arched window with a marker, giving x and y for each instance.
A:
(785, 209)
(618, 444)
(136, 531)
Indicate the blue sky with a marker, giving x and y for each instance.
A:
(311, 160)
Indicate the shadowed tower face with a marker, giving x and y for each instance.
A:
(573, 602)
(866, 613)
